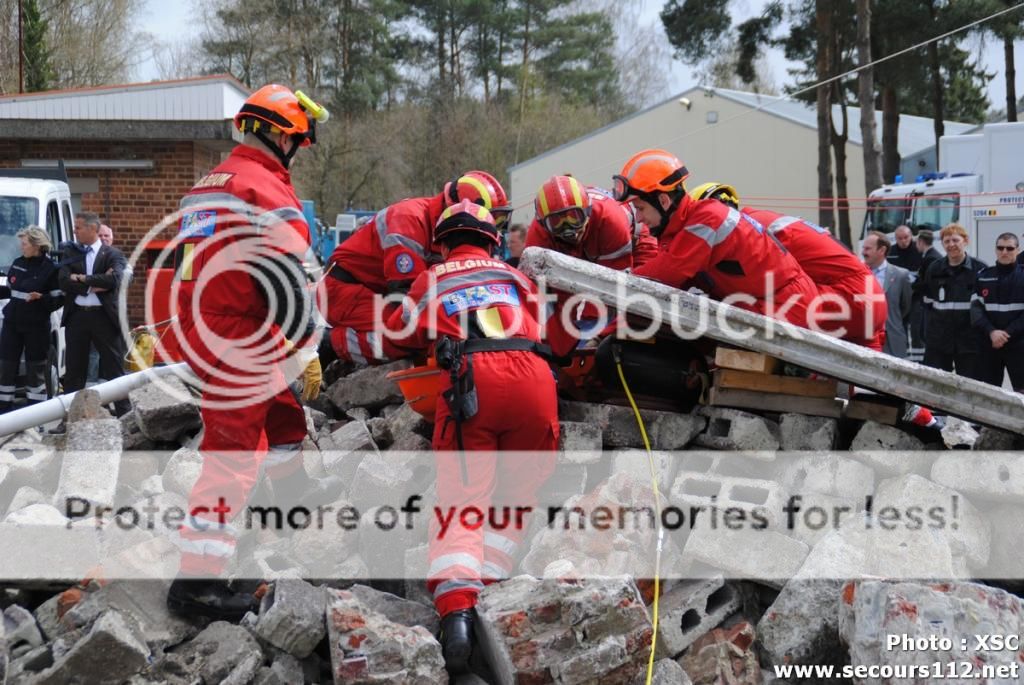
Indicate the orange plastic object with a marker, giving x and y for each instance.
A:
(420, 386)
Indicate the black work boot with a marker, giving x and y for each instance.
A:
(208, 597)
(299, 489)
(456, 640)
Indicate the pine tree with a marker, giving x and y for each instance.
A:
(38, 71)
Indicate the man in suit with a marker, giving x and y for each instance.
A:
(90, 276)
(895, 280)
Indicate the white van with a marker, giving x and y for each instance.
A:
(41, 197)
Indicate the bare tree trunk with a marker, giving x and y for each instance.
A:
(823, 22)
(1011, 75)
(866, 99)
(890, 134)
(522, 84)
(839, 139)
(938, 98)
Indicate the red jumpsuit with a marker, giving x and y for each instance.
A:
(838, 274)
(472, 286)
(608, 240)
(246, 202)
(731, 255)
(384, 256)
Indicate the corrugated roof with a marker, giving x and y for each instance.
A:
(204, 98)
(915, 134)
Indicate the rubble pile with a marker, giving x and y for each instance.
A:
(733, 602)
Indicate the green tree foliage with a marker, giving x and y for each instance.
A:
(38, 72)
(423, 89)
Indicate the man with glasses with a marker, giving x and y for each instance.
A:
(997, 312)
(711, 244)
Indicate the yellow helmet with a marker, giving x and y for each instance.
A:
(722, 192)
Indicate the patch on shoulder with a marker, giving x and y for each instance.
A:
(214, 180)
(404, 263)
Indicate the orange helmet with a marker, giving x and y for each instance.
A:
(563, 208)
(483, 189)
(275, 109)
(647, 173)
(466, 215)
(277, 106)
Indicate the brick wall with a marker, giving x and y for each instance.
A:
(134, 201)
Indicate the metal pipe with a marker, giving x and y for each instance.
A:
(111, 391)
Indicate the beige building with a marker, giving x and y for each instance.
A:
(766, 146)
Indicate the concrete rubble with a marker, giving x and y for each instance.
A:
(874, 614)
(733, 604)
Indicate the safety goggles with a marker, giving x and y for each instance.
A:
(622, 191)
(566, 225)
(501, 218)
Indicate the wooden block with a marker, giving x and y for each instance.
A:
(877, 411)
(744, 360)
(784, 385)
(775, 402)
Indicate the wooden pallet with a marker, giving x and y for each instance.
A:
(775, 402)
(744, 360)
(783, 385)
(879, 409)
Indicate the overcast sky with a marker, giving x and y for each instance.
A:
(174, 19)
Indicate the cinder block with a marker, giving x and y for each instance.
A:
(968, 533)
(993, 476)
(690, 609)
(802, 432)
(827, 474)
(758, 498)
(666, 430)
(731, 429)
(579, 443)
(763, 556)
(637, 463)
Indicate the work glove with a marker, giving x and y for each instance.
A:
(312, 375)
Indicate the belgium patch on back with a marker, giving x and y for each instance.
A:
(214, 180)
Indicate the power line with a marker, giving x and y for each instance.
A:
(824, 82)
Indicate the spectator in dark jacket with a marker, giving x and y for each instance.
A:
(947, 287)
(997, 313)
(903, 252)
(929, 254)
(34, 294)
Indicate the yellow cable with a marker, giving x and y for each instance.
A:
(657, 509)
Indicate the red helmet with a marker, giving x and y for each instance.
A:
(466, 215)
(563, 208)
(483, 189)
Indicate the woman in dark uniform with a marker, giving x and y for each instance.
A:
(34, 294)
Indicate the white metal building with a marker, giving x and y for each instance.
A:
(764, 145)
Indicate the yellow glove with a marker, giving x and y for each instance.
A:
(312, 374)
(312, 378)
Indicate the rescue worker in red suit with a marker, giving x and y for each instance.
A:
(837, 272)
(243, 296)
(730, 254)
(582, 222)
(384, 257)
(481, 317)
